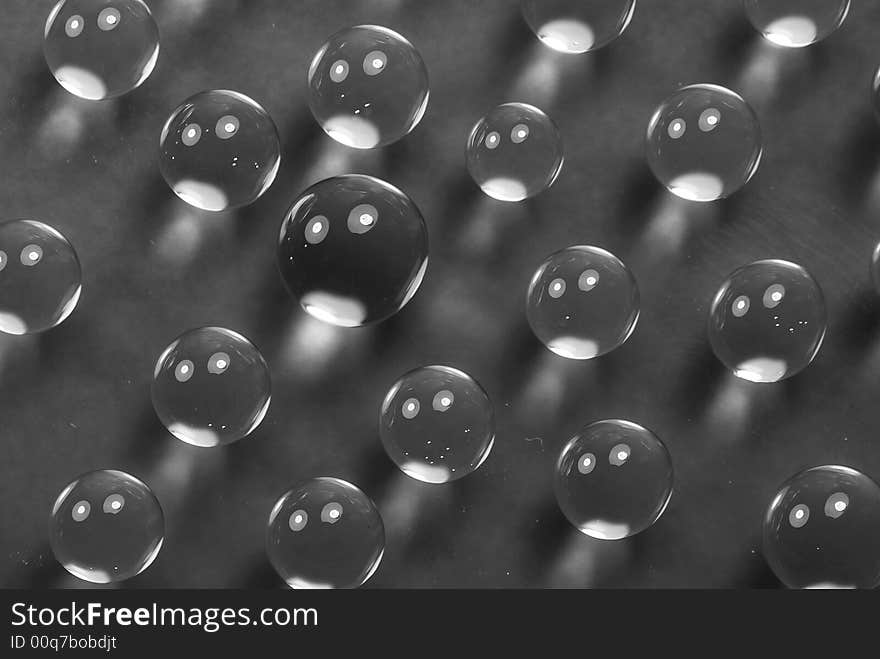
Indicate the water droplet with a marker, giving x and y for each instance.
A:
(459, 417)
(514, 152)
(371, 255)
(113, 545)
(203, 142)
(342, 550)
(211, 386)
(714, 161)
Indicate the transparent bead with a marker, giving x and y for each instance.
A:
(613, 479)
(582, 302)
(368, 86)
(796, 23)
(325, 533)
(106, 526)
(40, 278)
(99, 49)
(353, 250)
(704, 143)
(767, 321)
(577, 26)
(211, 386)
(822, 530)
(437, 424)
(514, 152)
(219, 150)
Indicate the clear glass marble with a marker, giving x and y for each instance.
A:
(514, 152)
(822, 530)
(219, 149)
(325, 533)
(704, 143)
(106, 526)
(368, 86)
(613, 479)
(99, 49)
(211, 386)
(353, 250)
(40, 277)
(582, 302)
(767, 321)
(437, 424)
(796, 23)
(577, 26)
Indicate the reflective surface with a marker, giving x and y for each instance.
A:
(514, 152)
(211, 386)
(353, 250)
(325, 533)
(796, 23)
(767, 321)
(437, 424)
(40, 277)
(99, 49)
(575, 26)
(106, 526)
(613, 479)
(582, 302)
(219, 149)
(704, 143)
(822, 530)
(368, 86)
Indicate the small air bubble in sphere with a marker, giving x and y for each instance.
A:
(106, 526)
(353, 250)
(219, 149)
(704, 143)
(211, 386)
(40, 277)
(796, 23)
(822, 530)
(767, 321)
(325, 533)
(437, 424)
(582, 302)
(99, 49)
(613, 479)
(514, 152)
(577, 26)
(368, 86)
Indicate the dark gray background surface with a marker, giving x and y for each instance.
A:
(77, 398)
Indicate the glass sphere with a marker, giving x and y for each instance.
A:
(796, 23)
(99, 49)
(704, 143)
(219, 150)
(576, 26)
(613, 479)
(767, 321)
(106, 526)
(437, 424)
(514, 152)
(822, 530)
(211, 386)
(582, 302)
(353, 250)
(325, 533)
(368, 86)
(40, 277)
